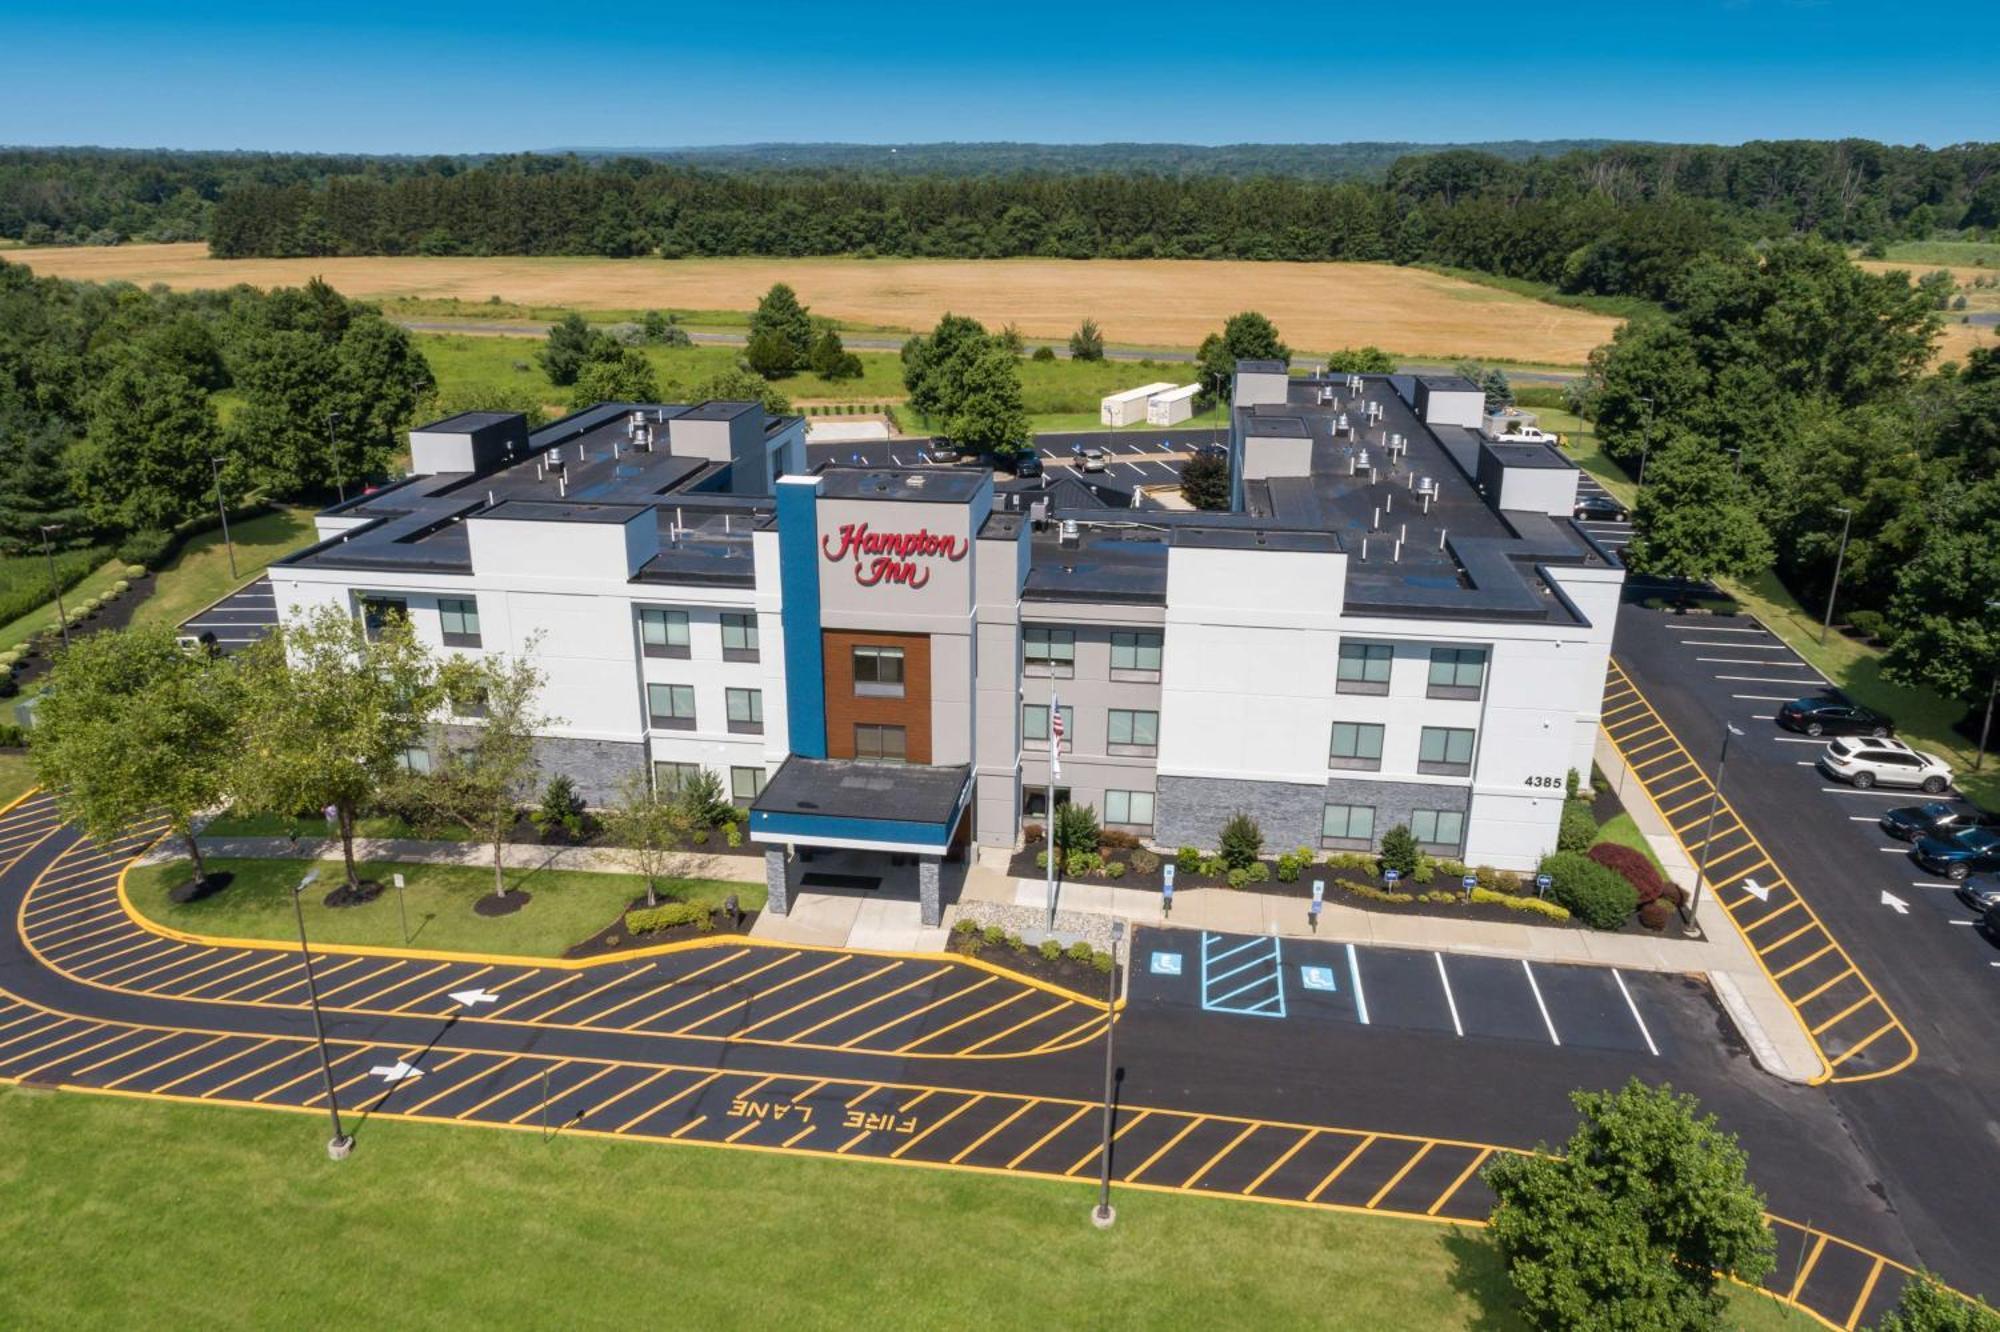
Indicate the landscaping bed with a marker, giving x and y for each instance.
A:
(702, 920)
(113, 610)
(1079, 967)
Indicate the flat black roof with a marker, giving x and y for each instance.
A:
(719, 410)
(1262, 368)
(1448, 384)
(934, 485)
(464, 423)
(558, 511)
(850, 789)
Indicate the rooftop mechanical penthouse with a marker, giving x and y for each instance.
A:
(1395, 623)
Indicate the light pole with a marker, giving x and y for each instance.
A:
(55, 584)
(1986, 726)
(333, 455)
(222, 512)
(1739, 463)
(1104, 1213)
(1708, 829)
(341, 1143)
(1646, 439)
(1838, 560)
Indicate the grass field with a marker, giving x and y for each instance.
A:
(15, 776)
(1968, 262)
(1166, 303)
(1946, 253)
(565, 908)
(125, 1213)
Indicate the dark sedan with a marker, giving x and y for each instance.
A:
(1933, 818)
(1981, 892)
(1833, 716)
(1960, 854)
(1600, 507)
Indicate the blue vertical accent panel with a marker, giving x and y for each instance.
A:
(798, 582)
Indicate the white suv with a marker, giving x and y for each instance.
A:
(1864, 762)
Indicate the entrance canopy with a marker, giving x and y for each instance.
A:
(911, 809)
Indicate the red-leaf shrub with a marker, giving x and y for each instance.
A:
(1635, 868)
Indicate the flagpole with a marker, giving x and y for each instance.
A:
(1055, 731)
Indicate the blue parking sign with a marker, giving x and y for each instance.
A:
(1391, 876)
(1543, 883)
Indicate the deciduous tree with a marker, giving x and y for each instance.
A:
(143, 460)
(1695, 518)
(1205, 482)
(653, 827)
(988, 414)
(615, 374)
(569, 344)
(1248, 336)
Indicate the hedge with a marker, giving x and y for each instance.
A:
(1533, 905)
(1579, 827)
(1591, 892)
(649, 920)
(1635, 868)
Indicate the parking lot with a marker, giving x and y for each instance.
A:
(1613, 536)
(239, 619)
(1261, 978)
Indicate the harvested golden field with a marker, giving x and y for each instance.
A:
(1958, 337)
(1154, 303)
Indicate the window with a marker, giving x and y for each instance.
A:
(1456, 672)
(1355, 745)
(1035, 801)
(1442, 829)
(1049, 651)
(1035, 725)
(878, 744)
(1137, 650)
(1132, 808)
(1445, 749)
(1132, 732)
(417, 759)
(739, 637)
(469, 703)
(377, 612)
(460, 619)
(671, 705)
(664, 633)
(1350, 826)
(672, 778)
(878, 671)
(745, 784)
(746, 710)
(1364, 668)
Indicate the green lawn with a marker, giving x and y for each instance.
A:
(199, 574)
(43, 616)
(15, 774)
(1962, 254)
(123, 1213)
(566, 907)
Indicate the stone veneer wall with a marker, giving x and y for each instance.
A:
(1190, 811)
(596, 766)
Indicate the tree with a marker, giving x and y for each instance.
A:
(830, 357)
(570, 343)
(1205, 482)
(1087, 343)
(988, 414)
(1248, 336)
(132, 725)
(615, 374)
(1695, 518)
(1927, 1305)
(35, 484)
(651, 826)
(1367, 360)
(1499, 393)
(143, 460)
(331, 712)
(482, 769)
(786, 329)
(769, 355)
(658, 328)
(933, 365)
(1636, 1224)
(1400, 851)
(1940, 629)
(1076, 828)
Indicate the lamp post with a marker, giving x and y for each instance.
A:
(1104, 1213)
(341, 1143)
(333, 455)
(1986, 725)
(55, 584)
(1838, 560)
(222, 512)
(1646, 439)
(1708, 830)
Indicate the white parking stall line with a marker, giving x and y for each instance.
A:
(1354, 979)
(1739, 647)
(1894, 850)
(1635, 1012)
(1797, 740)
(1925, 883)
(1805, 763)
(1450, 1002)
(1767, 698)
(1754, 661)
(1764, 679)
(1546, 1022)
(1763, 716)
(1873, 791)
(896, 460)
(1862, 818)
(1967, 923)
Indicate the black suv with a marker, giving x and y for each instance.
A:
(1933, 818)
(1833, 716)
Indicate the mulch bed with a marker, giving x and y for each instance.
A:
(1065, 971)
(345, 896)
(613, 938)
(195, 890)
(114, 616)
(491, 905)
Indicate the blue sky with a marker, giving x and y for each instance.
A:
(460, 77)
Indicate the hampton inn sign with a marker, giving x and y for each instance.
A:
(892, 557)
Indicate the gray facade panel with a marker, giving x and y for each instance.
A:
(596, 766)
(1190, 811)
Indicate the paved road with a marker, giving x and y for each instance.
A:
(1921, 1129)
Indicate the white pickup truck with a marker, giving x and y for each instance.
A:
(1529, 435)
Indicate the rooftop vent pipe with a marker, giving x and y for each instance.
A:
(1067, 534)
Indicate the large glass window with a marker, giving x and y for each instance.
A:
(739, 637)
(1130, 808)
(663, 633)
(1035, 725)
(378, 612)
(745, 784)
(1355, 745)
(1445, 749)
(1350, 826)
(417, 759)
(1136, 650)
(1130, 732)
(1438, 829)
(879, 744)
(671, 705)
(459, 618)
(1364, 668)
(746, 710)
(878, 671)
(1048, 651)
(672, 778)
(1457, 672)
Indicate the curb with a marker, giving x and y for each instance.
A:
(1761, 1047)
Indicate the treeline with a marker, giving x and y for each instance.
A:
(118, 405)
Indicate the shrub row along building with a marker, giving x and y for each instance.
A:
(1395, 623)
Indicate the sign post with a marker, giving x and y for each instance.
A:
(1468, 883)
(402, 911)
(1167, 889)
(1319, 900)
(1542, 885)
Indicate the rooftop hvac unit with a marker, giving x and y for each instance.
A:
(1068, 535)
(1038, 513)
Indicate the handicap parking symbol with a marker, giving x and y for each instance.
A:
(1166, 964)
(1317, 978)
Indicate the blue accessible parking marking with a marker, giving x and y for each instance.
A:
(1166, 964)
(1317, 978)
(1244, 976)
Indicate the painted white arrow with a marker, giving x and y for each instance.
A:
(470, 997)
(396, 1072)
(1889, 899)
(1757, 890)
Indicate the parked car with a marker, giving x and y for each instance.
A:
(1028, 463)
(1833, 716)
(1957, 855)
(1866, 763)
(1981, 892)
(1933, 818)
(1600, 506)
(1089, 457)
(941, 449)
(1219, 452)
